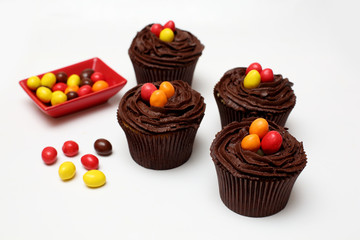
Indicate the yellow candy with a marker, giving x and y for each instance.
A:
(44, 94)
(67, 170)
(252, 79)
(73, 80)
(58, 97)
(166, 35)
(48, 80)
(94, 178)
(33, 82)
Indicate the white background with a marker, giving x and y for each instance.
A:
(313, 43)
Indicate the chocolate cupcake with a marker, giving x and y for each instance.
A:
(272, 100)
(161, 137)
(156, 60)
(254, 184)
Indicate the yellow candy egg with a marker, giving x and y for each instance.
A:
(48, 80)
(67, 170)
(252, 79)
(58, 97)
(94, 178)
(166, 35)
(33, 82)
(73, 80)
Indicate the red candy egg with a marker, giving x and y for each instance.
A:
(70, 148)
(156, 29)
(96, 76)
(60, 86)
(170, 24)
(271, 142)
(254, 66)
(49, 155)
(83, 90)
(146, 90)
(267, 75)
(90, 161)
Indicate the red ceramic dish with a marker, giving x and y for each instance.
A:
(115, 81)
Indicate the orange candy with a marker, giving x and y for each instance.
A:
(158, 98)
(168, 89)
(73, 88)
(260, 127)
(251, 142)
(99, 85)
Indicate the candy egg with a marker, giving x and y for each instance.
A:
(260, 127)
(58, 97)
(251, 142)
(103, 147)
(86, 73)
(70, 148)
(49, 155)
(94, 178)
(99, 85)
(156, 29)
(72, 95)
(90, 161)
(254, 66)
(61, 77)
(167, 88)
(158, 99)
(73, 80)
(146, 90)
(96, 76)
(44, 94)
(67, 170)
(86, 81)
(252, 79)
(48, 80)
(60, 86)
(73, 88)
(267, 75)
(166, 35)
(33, 82)
(170, 24)
(83, 90)
(271, 142)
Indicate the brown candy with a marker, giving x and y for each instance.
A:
(103, 147)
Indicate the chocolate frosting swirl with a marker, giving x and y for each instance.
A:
(275, 97)
(184, 109)
(226, 150)
(147, 49)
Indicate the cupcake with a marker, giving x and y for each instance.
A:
(164, 56)
(161, 136)
(252, 183)
(270, 97)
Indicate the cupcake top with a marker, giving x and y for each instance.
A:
(147, 49)
(226, 150)
(183, 110)
(275, 96)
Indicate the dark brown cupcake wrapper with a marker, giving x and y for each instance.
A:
(228, 114)
(146, 74)
(254, 198)
(160, 151)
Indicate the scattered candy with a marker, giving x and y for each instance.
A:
(61, 77)
(44, 94)
(99, 85)
(86, 73)
(67, 170)
(70, 148)
(271, 142)
(90, 161)
(167, 88)
(252, 79)
(146, 90)
(254, 66)
(49, 155)
(94, 178)
(156, 29)
(48, 80)
(260, 127)
(73, 80)
(170, 24)
(96, 76)
(83, 90)
(73, 88)
(251, 142)
(166, 35)
(72, 95)
(158, 98)
(58, 97)
(267, 75)
(33, 82)
(103, 147)
(60, 86)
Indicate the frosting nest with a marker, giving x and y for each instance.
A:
(276, 96)
(226, 150)
(147, 49)
(183, 110)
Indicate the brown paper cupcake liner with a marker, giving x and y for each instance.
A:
(146, 74)
(253, 198)
(161, 151)
(228, 114)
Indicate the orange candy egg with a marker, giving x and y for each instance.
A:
(99, 85)
(260, 127)
(167, 88)
(73, 88)
(158, 98)
(251, 142)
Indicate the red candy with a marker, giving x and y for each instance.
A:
(267, 75)
(271, 142)
(83, 90)
(170, 24)
(90, 161)
(156, 29)
(254, 66)
(49, 155)
(146, 90)
(70, 148)
(96, 76)
(60, 86)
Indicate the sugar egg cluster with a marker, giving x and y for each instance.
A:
(57, 88)
(157, 97)
(260, 139)
(255, 75)
(166, 32)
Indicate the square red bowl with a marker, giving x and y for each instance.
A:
(115, 81)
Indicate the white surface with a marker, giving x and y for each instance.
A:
(313, 43)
